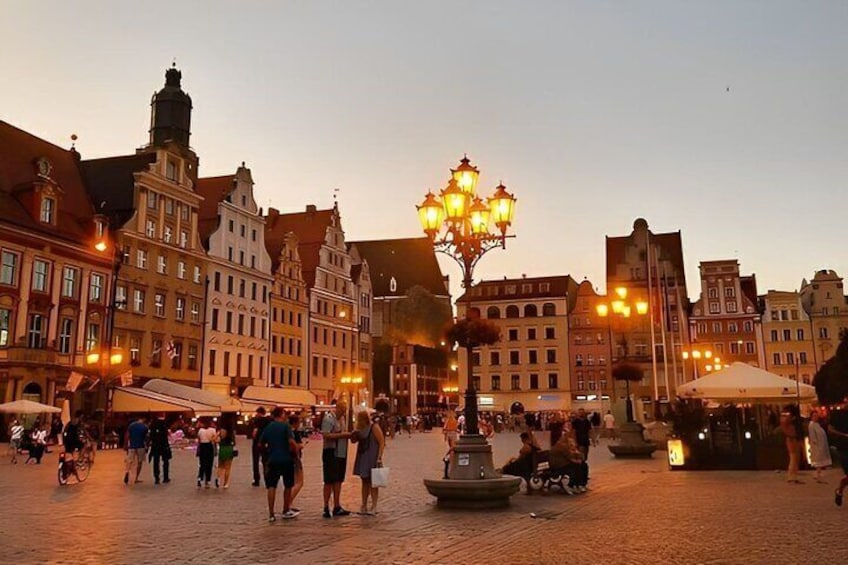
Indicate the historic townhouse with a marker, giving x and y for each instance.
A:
(726, 320)
(590, 354)
(151, 201)
(332, 342)
(787, 336)
(530, 364)
(289, 320)
(395, 266)
(825, 302)
(649, 267)
(239, 284)
(54, 280)
(360, 274)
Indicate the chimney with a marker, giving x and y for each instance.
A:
(273, 214)
(311, 208)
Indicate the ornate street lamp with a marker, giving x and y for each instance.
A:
(464, 234)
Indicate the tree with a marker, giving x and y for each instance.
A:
(831, 381)
(418, 318)
(473, 333)
(628, 373)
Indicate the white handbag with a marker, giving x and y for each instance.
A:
(380, 477)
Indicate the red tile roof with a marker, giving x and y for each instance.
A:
(410, 261)
(19, 152)
(213, 190)
(310, 227)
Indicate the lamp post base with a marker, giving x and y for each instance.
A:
(633, 442)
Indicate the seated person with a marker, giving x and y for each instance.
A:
(523, 465)
(566, 458)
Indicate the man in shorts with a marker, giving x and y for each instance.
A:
(837, 431)
(278, 441)
(334, 458)
(136, 449)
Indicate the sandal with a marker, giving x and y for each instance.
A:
(837, 498)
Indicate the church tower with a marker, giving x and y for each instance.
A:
(170, 115)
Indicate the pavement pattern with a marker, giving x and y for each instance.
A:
(637, 512)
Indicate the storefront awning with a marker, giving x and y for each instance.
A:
(128, 399)
(197, 395)
(270, 397)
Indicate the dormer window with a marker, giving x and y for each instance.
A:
(171, 170)
(48, 209)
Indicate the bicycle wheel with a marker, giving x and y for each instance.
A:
(83, 468)
(63, 477)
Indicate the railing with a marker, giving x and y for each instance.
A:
(23, 354)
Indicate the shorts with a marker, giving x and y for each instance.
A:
(136, 455)
(273, 472)
(842, 455)
(334, 467)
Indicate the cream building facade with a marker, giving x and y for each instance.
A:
(825, 302)
(236, 351)
(787, 336)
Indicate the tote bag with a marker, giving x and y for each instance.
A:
(380, 477)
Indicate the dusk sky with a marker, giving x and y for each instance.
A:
(593, 113)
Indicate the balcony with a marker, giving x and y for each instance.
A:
(32, 355)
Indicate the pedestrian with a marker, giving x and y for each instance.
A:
(819, 448)
(582, 429)
(226, 453)
(260, 420)
(39, 442)
(206, 436)
(277, 440)
(838, 432)
(449, 429)
(160, 450)
(609, 424)
(790, 425)
(136, 444)
(596, 427)
(334, 458)
(16, 434)
(370, 444)
(298, 432)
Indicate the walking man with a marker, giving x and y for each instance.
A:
(334, 458)
(838, 432)
(160, 449)
(278, 442)
(609, 424)
(258, 424)
(16, 432)
(582, 429)
(136, 449)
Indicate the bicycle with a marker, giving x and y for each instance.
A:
(78, 468)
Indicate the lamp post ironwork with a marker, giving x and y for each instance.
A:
(458, 223)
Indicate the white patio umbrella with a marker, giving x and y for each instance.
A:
(744, 383)
(27, 407)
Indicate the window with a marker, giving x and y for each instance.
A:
(95, 288)
(69, 282)
(493, 312)
(734, 348)
(714, 308)
(551, 356)
(169, 206)
(512, 311)
(197, 274)
(590, 359)
(217, 279)
(171, 170)
(787, 335)
(183, 239)
(195, 312)
(475, 359)
(253, 235)
(66, 329)
(802, 357)
(226, 363)
(514, 358)
(229, 327)
(716, 327)
(141, 259)
(40, 270)
(729, 292)
(578, 360)
(231, 226)
(732, 327)
(513, 335)
(712, 292)
(8, 271)
(515, 382)
(749, 327)
(550, 333)
(162, 265)
(152, 201)
(730, 306)
(548, 309)
(151, 229)
(823, 333)
(774, 335)
(533, 357)
(214, 319)
(176, 355)
(496, 382)
(534, 382)
(494, 358)
(212, 359)
(530, 311)
(168, 234)
(159, 304)
(230, 282)
(48, 207)
(5, 322)
(553, 380)
(92, 336)
(749, 347)
(184, 212)
(156, 354)
(475, 382)
(135, 346)
(776, 359)
(531, 333)
(138, 301)
(790, 358)
(180, 308)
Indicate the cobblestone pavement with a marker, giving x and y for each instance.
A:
(636, 512)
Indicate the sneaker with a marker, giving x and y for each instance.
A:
(272, 518)
(126, 478)
(341, 512)
(290, 514)
(198, 483)
(293, 509)
(167, 481)
(326, 513)
(255, 483)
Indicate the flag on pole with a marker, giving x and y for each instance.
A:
(74, 380)
(93, 385)
(172, 350)
(126, 378)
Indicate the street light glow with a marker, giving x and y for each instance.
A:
(621, 292)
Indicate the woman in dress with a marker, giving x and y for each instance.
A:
(226, 452)
(370, 443)
(790, 425)
(450, 430)
(819, 448)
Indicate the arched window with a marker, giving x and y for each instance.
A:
(493, 312)
(512, 311)
(530, 311)
(548, 309)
